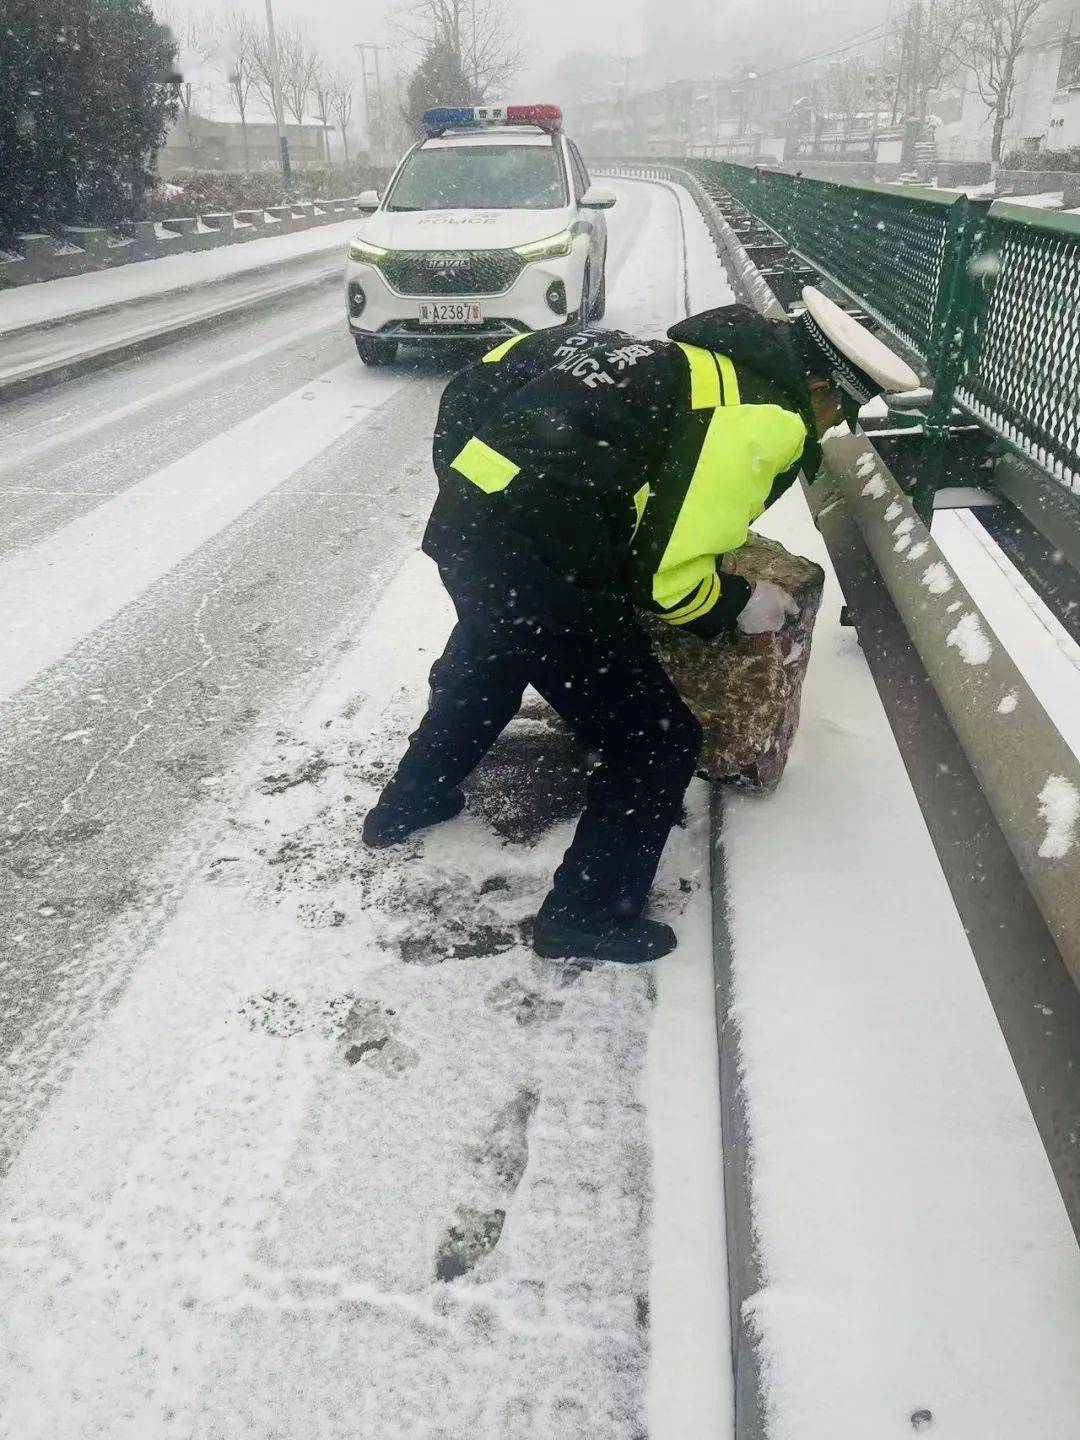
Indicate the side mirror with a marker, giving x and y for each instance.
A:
(368, 200)
(597, 198)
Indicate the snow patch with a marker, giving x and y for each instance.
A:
(937, 579)
(918, 551)
(1008, 703)
(971, 640)
(1059, 806)
(984, 266)
(875, 488)
(894, 510)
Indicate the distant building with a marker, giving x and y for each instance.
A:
(684, 117)
(212, 138)
(791, 115)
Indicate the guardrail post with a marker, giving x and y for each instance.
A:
(953, 344)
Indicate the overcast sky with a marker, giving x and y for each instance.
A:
(548, 28)
(684, 38)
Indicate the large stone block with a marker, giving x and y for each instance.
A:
(747, 690)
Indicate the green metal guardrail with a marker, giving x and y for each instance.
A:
(1022, 376)
(988, 296)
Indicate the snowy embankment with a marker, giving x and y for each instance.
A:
(918, 1270)
(76, 296)
(345, 1158)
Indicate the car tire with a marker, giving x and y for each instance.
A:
(583, 314)
(599, 305)
(376, 352)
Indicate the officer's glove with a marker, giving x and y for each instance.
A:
(767, 610)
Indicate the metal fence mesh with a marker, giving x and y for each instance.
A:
(888, 248)
(992, 304)
(1023, 373)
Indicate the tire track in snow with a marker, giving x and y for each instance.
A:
(59, 591)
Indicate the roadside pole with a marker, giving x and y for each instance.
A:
(279, 109)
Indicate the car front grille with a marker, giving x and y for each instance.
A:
(451, 272)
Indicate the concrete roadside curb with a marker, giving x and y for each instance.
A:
(744, 1275)
(27, 380)
(744, 1272)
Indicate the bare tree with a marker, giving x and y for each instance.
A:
(996, 34)
(848, 91)
(262, 70)
(341, 103)
(239, 39)
(298, 67)
(931, 39)
(322, 90)
(196, 37)
(480, 34)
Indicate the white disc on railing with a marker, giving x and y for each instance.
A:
(864, 350)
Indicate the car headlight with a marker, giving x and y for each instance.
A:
(361, 250)
(549, 249)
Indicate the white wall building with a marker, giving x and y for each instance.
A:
(1046, 101)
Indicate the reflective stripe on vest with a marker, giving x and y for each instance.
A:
(494, 356)
(641, 499)
(700, 603)
(744, 449)
(713, 380)
(485, 467)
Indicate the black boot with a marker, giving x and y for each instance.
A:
(624, 942)
(390, 822)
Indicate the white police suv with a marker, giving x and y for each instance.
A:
(489, 227)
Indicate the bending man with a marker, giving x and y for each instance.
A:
(585, 475)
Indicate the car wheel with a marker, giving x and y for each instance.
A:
(599, 305)
(376, 352)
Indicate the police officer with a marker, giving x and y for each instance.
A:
(585, 475)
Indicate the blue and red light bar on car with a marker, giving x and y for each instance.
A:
(463, 117)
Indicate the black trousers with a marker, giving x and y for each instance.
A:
(619, 701)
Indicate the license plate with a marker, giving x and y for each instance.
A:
(452, 312)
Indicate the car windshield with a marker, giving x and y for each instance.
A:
(480, 177)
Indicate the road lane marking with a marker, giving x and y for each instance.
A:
(57, 592)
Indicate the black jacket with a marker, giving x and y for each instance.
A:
(577, 482)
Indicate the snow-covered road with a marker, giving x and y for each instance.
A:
(297, 1143)
(302, 1142)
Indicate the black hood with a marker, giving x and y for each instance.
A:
(768, 348)
(765, 346)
